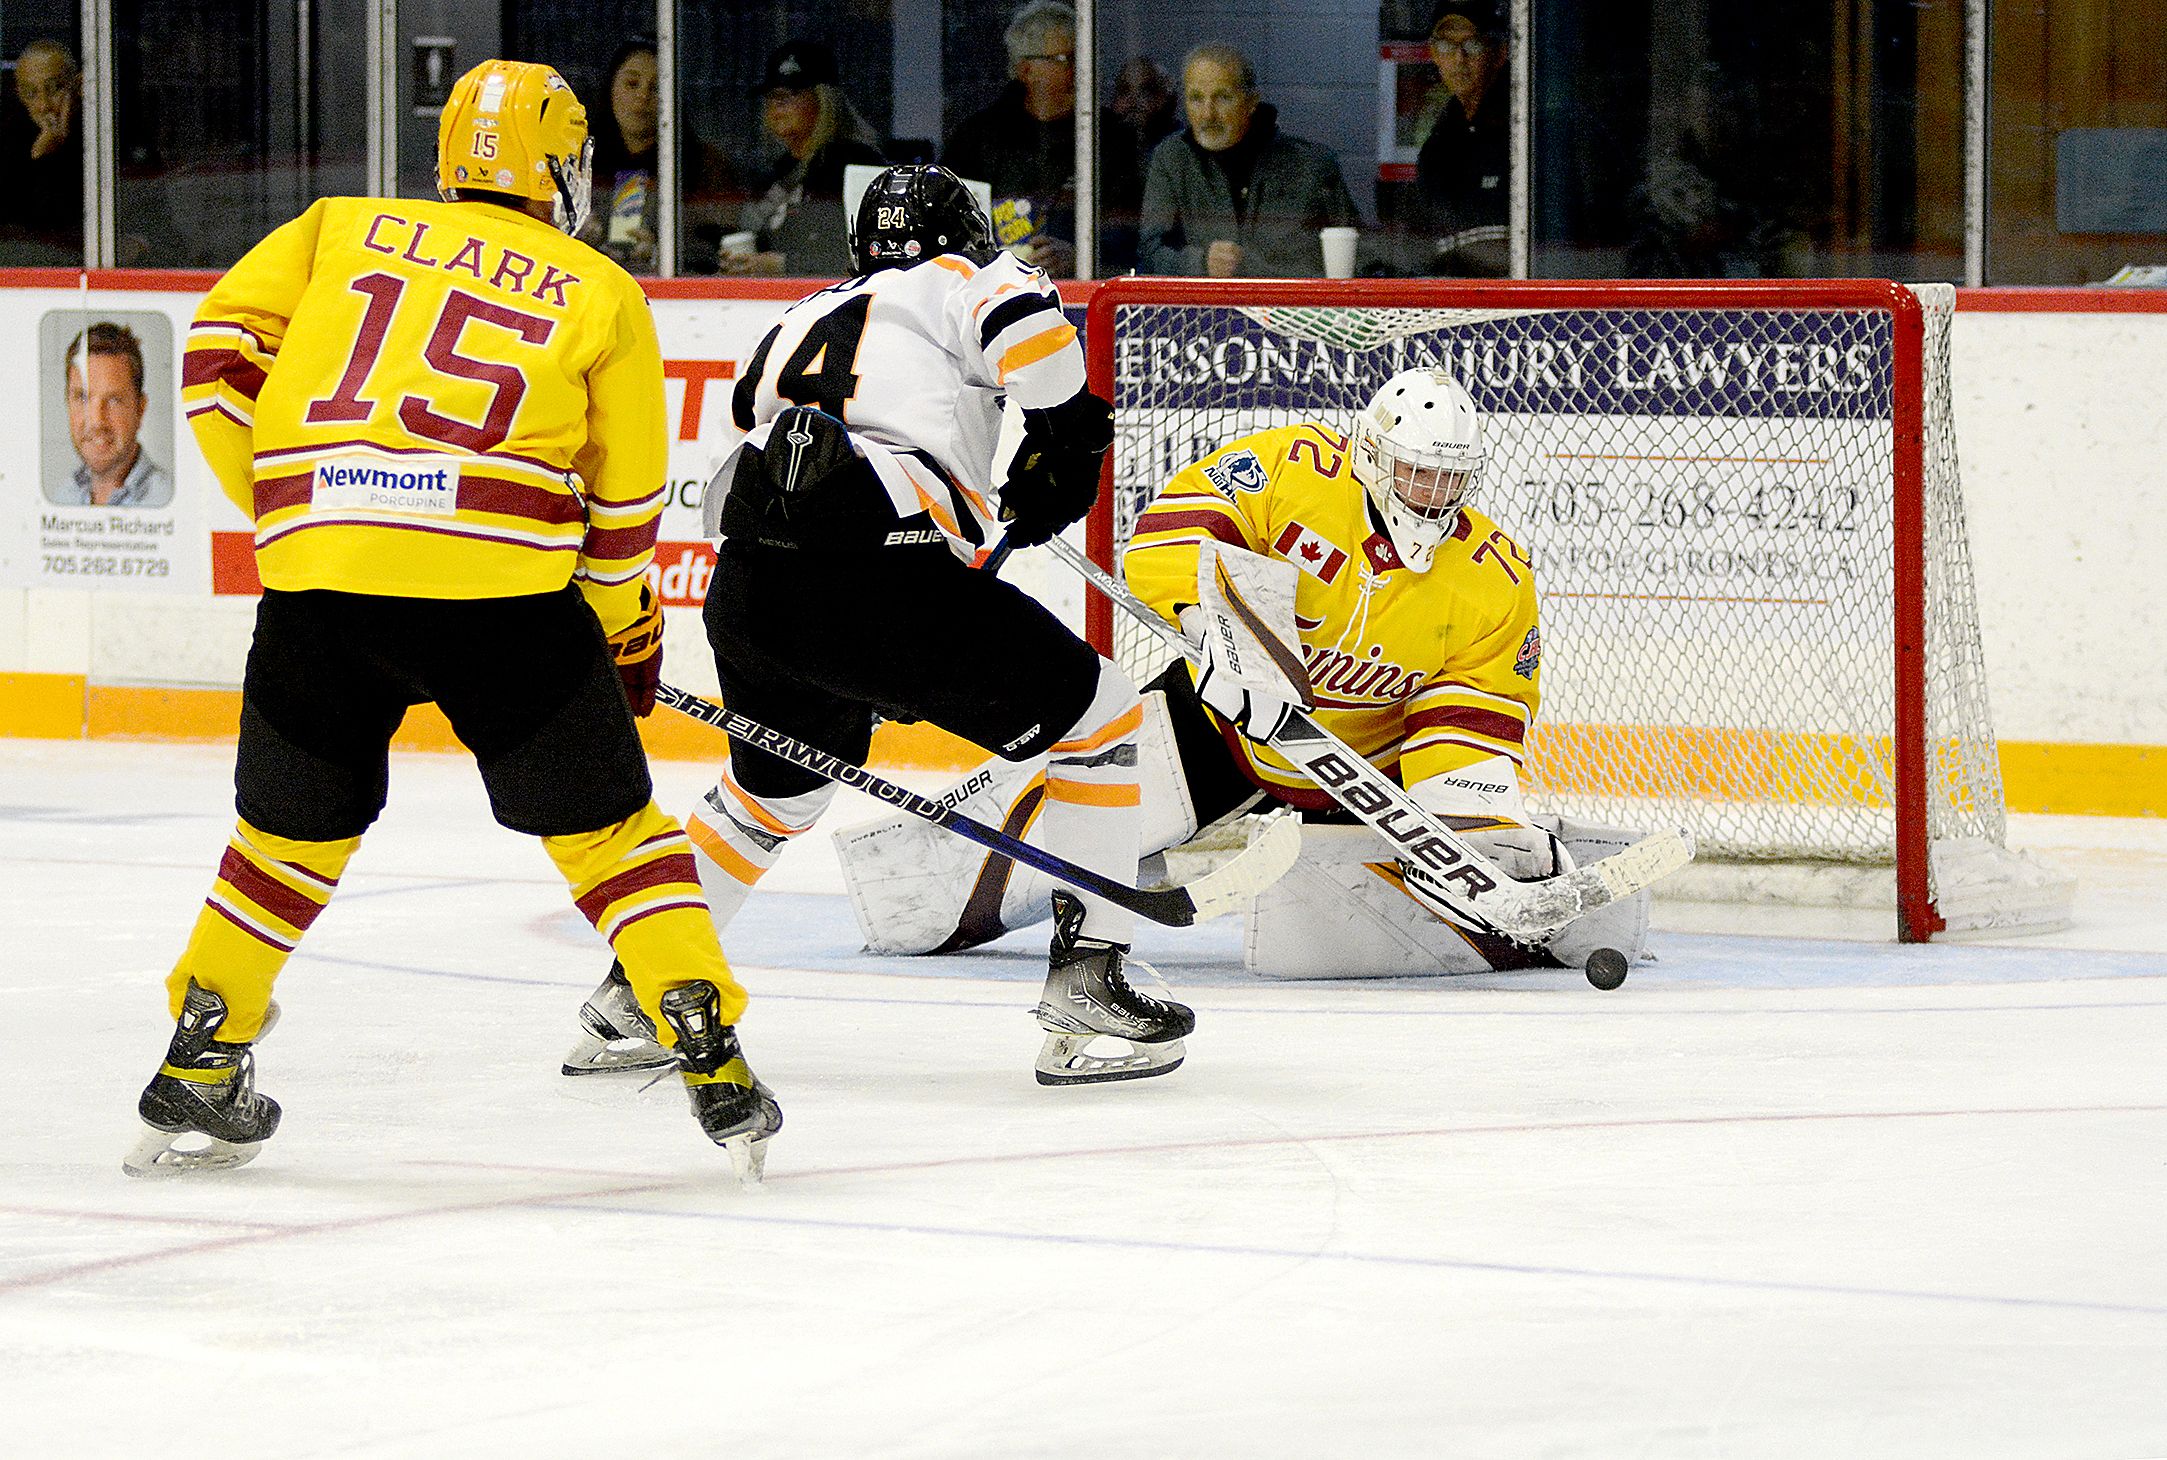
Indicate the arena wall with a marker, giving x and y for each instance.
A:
(135, 622)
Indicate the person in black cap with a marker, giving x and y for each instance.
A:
(1463, 180)
(797, 221)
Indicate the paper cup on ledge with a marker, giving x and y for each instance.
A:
(1338, 251)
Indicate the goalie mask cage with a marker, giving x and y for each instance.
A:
(1742, 501)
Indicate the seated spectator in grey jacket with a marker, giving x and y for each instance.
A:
(1233, 196)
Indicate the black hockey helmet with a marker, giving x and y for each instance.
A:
(912, 213)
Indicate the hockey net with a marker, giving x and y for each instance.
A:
(1758, 617)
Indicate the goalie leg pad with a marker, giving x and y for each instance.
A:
(916, 888)
(1343, 913)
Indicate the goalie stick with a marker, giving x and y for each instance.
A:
(1222, 890)
(1440, 865)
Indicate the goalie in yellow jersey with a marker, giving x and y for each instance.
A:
(1415, 616)
(446, 421)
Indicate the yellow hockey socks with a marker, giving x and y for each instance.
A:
(268, 891)
(637, 883)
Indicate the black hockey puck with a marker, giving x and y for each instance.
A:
(1606, 968)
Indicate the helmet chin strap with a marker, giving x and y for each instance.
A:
(1414, 539)
(572, 201)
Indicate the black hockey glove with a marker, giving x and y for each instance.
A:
(1055, 476)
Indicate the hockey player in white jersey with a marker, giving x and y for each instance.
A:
(855, 517)
(1416, 620)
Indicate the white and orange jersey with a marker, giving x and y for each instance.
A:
(915, 362)
(1423, 673)
(435, 400)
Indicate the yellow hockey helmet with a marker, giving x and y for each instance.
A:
(515, 127)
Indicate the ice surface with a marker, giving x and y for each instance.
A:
(1777, 1196)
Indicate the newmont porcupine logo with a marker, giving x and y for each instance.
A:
(426, 485)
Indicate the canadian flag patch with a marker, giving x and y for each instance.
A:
(1309, 552)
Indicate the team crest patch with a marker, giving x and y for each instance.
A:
(1530, 656)
(1238, 471)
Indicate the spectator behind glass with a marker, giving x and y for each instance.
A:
(41, 160)
(627, 195)
(797, 224)
(1233, 196)
(1716, 202)
(1024, 145)
(106, 403)
(1140, 117)
(1463, 184)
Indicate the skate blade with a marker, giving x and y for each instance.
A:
(746, 1146)
(159, 1154)
(1066, 1059)
(596, 1056)
(748, 1157)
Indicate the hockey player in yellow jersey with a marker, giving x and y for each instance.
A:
(446, 421)
(1417, 622)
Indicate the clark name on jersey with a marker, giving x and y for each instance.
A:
(467, 404)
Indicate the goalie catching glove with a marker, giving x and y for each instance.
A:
(637, 650)
(1054, 478)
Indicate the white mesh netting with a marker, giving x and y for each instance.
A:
(1710, 496)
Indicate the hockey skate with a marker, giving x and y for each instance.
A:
(205, 1088)
(614, 1033)
(738, 1113)
(1088, 997)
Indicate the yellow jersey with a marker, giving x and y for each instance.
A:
(434, 400)
(1422, 673)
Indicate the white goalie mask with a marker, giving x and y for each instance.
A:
(1417, 450)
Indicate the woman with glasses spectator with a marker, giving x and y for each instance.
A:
(796, 225)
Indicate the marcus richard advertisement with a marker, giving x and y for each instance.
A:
(99, 503)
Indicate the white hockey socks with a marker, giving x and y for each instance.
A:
(736, 836)
(1091, 811)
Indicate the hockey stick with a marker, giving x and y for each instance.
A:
(1222, 890)
(1443, 866)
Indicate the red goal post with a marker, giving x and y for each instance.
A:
(1743, 506)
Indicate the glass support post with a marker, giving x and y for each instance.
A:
(1087, 133)
(96, 120)
(1520, 157)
